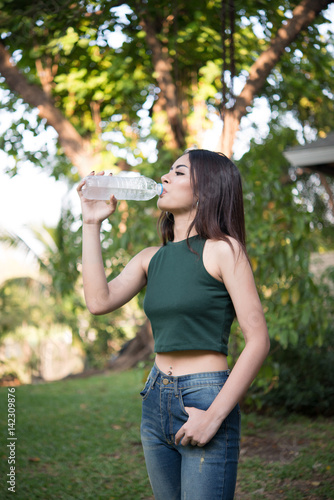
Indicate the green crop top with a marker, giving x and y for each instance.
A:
(188, 308)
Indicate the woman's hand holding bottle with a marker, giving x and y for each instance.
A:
(95, 211)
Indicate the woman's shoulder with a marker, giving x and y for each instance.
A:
(225, 257)
(146, 255)
(225, 248)
(227, 252)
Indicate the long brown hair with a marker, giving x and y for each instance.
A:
(216, 183)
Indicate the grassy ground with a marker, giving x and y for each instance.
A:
(79, 439)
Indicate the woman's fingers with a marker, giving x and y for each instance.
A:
(80, 186)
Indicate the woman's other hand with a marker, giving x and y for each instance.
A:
(198, 430)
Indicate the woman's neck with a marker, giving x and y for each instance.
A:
(181, 227)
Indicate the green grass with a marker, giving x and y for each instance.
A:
(79, 439)
(286, 458)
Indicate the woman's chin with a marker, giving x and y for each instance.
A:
(162, 205)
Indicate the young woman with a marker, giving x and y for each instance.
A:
(197, 282)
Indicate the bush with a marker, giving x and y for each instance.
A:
(304, 382)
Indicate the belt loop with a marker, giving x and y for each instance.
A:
(175, 382)
(155, 376)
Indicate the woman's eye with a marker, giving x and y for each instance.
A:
(179, 173)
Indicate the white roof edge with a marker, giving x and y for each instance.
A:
(316, 156)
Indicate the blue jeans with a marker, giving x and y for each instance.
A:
(187, 472)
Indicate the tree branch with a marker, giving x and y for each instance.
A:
(303, 15)
(163, 70)
(72, 143)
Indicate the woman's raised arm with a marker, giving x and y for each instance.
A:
(103, 297)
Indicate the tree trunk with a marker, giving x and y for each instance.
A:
(303, 15)
(138, 349)
(74, 146)
(163, 70)
(329, 191)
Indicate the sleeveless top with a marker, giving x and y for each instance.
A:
(188, 308)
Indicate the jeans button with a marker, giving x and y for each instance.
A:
(165, 381)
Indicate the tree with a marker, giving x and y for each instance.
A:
(158, 87)
(298, 374)
(169, 66)
(54, 295)
(302, 16)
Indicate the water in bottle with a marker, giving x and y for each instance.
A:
(101, 187)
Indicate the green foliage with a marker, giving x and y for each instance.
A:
(62, 259)
(108, 92)
(18, 139)
(20, 301)
(305, 381)
(280, 242)
(298, 307)
(58, 299)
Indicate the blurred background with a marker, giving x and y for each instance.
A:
(129, 86)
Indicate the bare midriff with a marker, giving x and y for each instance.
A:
(179, 363)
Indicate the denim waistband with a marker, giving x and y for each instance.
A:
(185, 381)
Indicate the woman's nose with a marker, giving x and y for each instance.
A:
(165, 178)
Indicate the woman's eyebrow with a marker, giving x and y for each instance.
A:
(178, 166)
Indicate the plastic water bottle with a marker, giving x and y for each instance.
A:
(124, 187)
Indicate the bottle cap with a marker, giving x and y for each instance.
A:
(160, 189)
